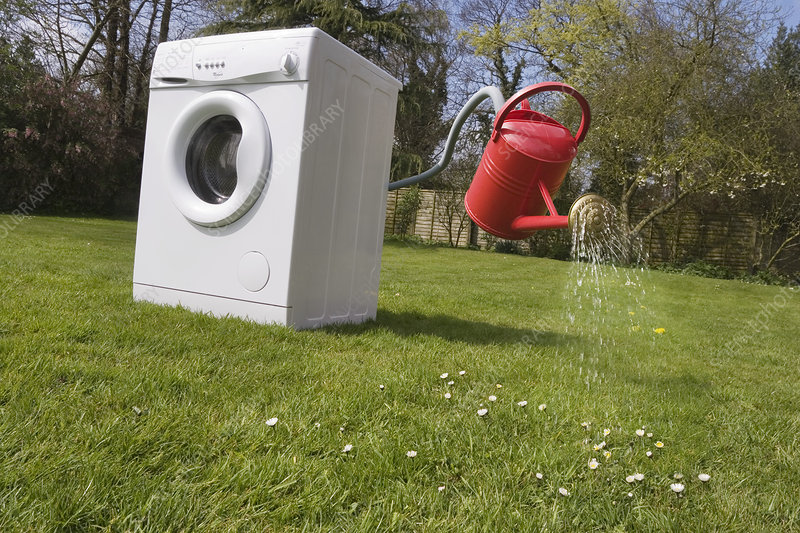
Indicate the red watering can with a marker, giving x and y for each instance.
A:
(523, 166)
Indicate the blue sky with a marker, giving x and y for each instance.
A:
(794, 6)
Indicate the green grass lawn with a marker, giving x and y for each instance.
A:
(123, 416)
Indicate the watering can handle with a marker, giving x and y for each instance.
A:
(529, 91)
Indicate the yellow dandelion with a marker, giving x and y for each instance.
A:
(660, 331)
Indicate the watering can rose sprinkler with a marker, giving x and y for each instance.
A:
(522, 168)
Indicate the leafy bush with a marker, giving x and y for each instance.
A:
(407, 207)
(554, 244)
(507, 247)
(61, 151)
(707, 270)
(766, 277)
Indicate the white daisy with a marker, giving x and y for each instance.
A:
(630, 479)
(347, 448)
(649, 435)
(441, 488)
(542, 406)
(492, 398)
(272, 421)
(411, 453)
(482, 412)
(648, 453)
(677, 475)
(593, 464)
(677, 488)
(539, 475)
(638, 476)
(523, 403)
(499, 386)
(462, 372)
(703, 477)
(659, 444)
(381, 387)
(640, 433)
(444, 376)
(564, 492)
(585, 425)
(606, 432)
(447, 396)
(630, 495)
(607, 454)
(451, 382)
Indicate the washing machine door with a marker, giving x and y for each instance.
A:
(220, 154)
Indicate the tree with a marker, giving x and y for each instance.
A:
(75, 97)
(488, 23)
(774, 101)
(451, 186)
(108, 45)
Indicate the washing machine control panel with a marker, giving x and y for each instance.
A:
(260, 61)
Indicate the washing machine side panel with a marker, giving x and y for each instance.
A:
(343, 194)
(317, 198)
(372, 216)
(347, 200)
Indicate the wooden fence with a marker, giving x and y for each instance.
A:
(726, 239)
(682, 235)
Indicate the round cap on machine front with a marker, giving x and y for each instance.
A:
(253, 271)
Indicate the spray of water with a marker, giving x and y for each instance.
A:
(605, 290)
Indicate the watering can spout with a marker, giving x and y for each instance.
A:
(590, 214)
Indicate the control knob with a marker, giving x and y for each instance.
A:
(289, 63)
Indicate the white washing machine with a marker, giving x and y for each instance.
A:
(264, 183)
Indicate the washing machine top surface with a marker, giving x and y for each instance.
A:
(253, 57)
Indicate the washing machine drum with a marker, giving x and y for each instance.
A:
(220, 151)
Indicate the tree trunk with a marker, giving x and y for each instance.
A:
(783, 245)
(163, 33)
(96, 32)
(123, 63)
(141, 78)
(110, 41)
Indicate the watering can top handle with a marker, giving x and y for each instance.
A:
(529, 91)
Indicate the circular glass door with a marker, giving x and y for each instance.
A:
(211, 159)
(220, 152)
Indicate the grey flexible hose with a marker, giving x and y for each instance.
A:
(475, 100)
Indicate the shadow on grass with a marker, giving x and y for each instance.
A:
(451, 328)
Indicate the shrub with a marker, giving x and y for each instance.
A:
(407, 208)
(766, 277)
(62, 136)
(707, 270)
(507, 247)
